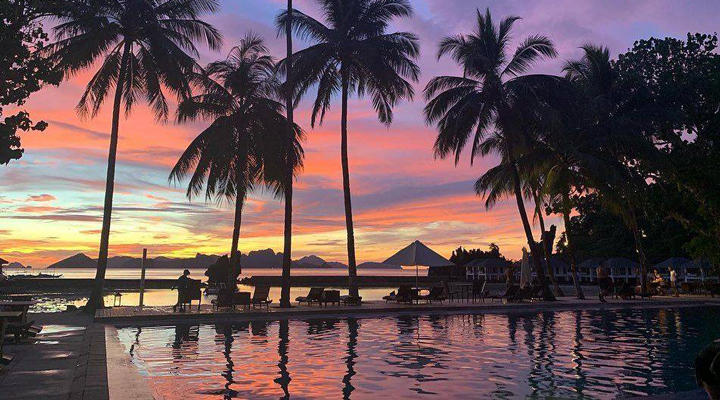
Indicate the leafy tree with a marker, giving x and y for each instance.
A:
(23, 70)
(244, 145)
(147, 49)
(492, 95)
(352, 52)
(683, 80)
(613, 110)
(462, 256)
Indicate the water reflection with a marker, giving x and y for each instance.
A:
(566, 354)
(284, 340)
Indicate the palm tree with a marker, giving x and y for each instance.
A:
(352, 52)
(239, 150)
(533, 189)
(147, 48)
(287, 247)
(617, 142)
(492, 93)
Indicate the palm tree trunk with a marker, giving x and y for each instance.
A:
(547, 247)
(287, 248)
(234, 254)
(547, 293)
(639, 248)
(571, 249)
(352, 268)
(96, 297)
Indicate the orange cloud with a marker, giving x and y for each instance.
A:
(42, 197)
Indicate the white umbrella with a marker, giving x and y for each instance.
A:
(525, 274)
(417, 254)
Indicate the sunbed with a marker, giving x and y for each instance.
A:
(437, 293)
(313, 296)
(261, 296)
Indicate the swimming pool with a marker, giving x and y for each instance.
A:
(568, 354)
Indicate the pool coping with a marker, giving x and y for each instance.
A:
(366, 312)
(124, 381)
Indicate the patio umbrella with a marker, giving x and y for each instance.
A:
(525, 273)
(417, 254)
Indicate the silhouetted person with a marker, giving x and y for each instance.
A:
(182, 285)
(673, 282)
(707, 370)
(604, 282)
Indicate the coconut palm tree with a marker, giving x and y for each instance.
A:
(242, 148)
(147, 49)
(615, 139)
(289, 108)
(493, 95)
(352, 52)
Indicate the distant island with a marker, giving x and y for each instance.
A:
(255, 259)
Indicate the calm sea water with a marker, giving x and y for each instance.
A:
(199, 273)
(587, 354)
(165, 297)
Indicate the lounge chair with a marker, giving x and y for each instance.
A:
(406, 294)
(437, 293)
(478, 291)
(241, 299)
(402, 292)
(5, 359)
(313, 296)
(510, 293)
(20, 327)
(451, 294)
(351, 300)
(225, 299)
(331, 296)
(261, 296)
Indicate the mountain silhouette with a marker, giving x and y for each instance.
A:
(266, 258)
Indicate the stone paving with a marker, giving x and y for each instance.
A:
(65, 361)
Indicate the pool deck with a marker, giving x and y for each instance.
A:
(123, 316)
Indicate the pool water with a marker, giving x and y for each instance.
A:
(569, 354)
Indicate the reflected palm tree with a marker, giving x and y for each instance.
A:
(284, 379)
(577, 353)
(228, 339)
(351, 356)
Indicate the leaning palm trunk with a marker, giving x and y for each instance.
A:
(287, 248)
(352, 268)
(571, 249)
(547, 248)
(547, 293)
(234, 254)
(96, 297)
(639, 248)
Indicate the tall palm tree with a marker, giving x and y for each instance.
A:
(610, 117)
(287, 245)
(147, 48)
(353, 52)
(492, 93)
(240, 148)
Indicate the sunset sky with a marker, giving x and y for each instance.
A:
(51, 200)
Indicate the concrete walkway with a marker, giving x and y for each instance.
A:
(66, 361)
